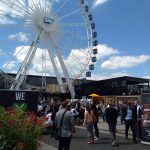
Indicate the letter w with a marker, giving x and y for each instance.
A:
(18, 96)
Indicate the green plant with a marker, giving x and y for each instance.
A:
(19, 130)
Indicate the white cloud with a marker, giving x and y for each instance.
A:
(102, 77)
(39, 61)
(104, 50)
(75, 61)
(147, 77)
(5, 21)
(22, 37)
(21, 52)
(77, 58)
(9, 65)
(98, 2)
(117, 62)
(119, 74)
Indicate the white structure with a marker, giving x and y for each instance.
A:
(63, 29)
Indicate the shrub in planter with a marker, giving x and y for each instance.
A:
(19, 130)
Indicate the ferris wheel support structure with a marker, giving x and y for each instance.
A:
(60, 82)
(21, 75)
(63, 66)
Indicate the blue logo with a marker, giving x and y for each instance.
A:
(48, 20)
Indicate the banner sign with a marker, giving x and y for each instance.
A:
(24, 100)
(145, 99)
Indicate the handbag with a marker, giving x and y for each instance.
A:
(57, 133)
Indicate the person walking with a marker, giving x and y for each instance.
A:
(104, 112)
(67, 126)
(130, 118)
(122, 112)
(139, 115)
(111, 119)
(88, 122)
(95, 121)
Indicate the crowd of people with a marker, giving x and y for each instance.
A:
(66, 114)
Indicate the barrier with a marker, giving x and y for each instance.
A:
(145, 99)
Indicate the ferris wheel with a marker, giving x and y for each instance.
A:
(47, 37)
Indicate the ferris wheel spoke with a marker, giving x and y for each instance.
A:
(74, 34)
(13, 57)
(27, 11)
(77, 60)
(33, 9)
(45, 6)
(8, 14)
(51, 3)
(61, 6)
(11, 4)
(40, 7)
(72, 24)
(75, 68)
(82, 51)
(70, 68)
(69, 14)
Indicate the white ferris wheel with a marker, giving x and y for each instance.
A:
(47, 37)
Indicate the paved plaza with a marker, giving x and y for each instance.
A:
(79, 140)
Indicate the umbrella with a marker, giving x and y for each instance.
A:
(94, 95)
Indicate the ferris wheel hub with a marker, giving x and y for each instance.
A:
(48, 20)
(48, 24)
(45, 19)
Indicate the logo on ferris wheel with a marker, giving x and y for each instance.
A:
(48, 20)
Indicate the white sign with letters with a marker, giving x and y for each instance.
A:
(20, 96)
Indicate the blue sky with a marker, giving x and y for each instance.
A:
(124, 25)
(123, 28)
